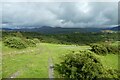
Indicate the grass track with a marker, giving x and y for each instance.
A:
(33, 62)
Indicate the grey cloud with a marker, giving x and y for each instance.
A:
(64, 14)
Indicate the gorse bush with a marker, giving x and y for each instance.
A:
(110, 74)
(18, 34)
(15, 42)
(112, 49)
(99, 49)
(104, 49)
(80, 66)
(18, 42)
(30, 43)
(83, 66)
(36, 40)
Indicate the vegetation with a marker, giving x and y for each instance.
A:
(30, 43)
(28, 53)
(80, 66)
(113, 49)
(99, 49)
(83, 66)
(15, 42)
(36, 40)
(105, 48)
(31, 63)
(68, 38)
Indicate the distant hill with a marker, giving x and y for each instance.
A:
(52, 30)
(48, 29)
(6, 29)
(117, 28)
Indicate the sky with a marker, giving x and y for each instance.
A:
(59, 14)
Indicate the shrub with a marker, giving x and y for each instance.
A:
(36, 40)
(99, 49)
(105, 49)
(15, 42)
(18, 34)
(112, 49)
(30, 43)
(118, 73)
(110, 73)
(80, 66)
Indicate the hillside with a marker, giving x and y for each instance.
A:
(51, 30)
(117, 28)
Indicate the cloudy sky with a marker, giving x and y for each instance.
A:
(59, 14)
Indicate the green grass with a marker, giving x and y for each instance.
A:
(32, 62)
(110, 61)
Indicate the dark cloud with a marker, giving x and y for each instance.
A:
(64, 14)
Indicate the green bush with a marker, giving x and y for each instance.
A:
(80, 66)
(36, 40)
(105, 49)
(15, 42)
(18, 34)
(110, 73)
(30, 43)
(99, 49)
(112, 49)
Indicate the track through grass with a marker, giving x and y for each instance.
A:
(33, 62)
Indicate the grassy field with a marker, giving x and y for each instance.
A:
(33, 62)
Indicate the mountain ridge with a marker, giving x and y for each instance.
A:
(49, 29)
